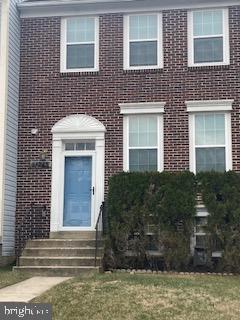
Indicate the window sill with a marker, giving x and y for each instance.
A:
(79, 73)
(153, 70)
(210, 67)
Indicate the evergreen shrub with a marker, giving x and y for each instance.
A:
(163, 203)
(221, 196)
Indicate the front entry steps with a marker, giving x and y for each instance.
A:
(60, 256)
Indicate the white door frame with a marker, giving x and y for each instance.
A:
(79, 154)
(74, 128)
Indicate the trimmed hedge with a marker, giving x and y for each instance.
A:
(163, 202)
(221, 196)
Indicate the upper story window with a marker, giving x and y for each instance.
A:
(208, 37)
(143, 41)
(79, 44)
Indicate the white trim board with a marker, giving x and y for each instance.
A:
(73, 8)
(142, 108)
(209, 105)
(78, 123)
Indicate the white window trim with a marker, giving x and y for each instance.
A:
(226, 45)
(215, 106)
(74, 128)
(128, 109)
(63, 58)
(126, 41)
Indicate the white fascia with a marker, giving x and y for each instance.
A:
(73, 8)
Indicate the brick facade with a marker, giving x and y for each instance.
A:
(46, 96)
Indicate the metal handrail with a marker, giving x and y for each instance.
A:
(100, 218)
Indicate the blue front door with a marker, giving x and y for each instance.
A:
(77, 192)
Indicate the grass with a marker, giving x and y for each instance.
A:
(145, 297)
(7, 277)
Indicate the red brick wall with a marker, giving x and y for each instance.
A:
(46, 96)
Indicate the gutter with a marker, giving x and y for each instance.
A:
(41, 8)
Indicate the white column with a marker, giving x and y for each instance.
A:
(100, 168)
(56, 181)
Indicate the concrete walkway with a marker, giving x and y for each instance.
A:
(26, 290)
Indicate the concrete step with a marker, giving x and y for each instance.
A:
(58, 261)
(61, 252)
(84, 235)
(53, 271)
(61, 243)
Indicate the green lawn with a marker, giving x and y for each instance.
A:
(7, 277)
(145, 297)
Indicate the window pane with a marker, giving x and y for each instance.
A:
(210, 137)
(143, 131)
(90, 146)
(207, 23)
(69, 146)
(208, 159)
(80, 56)
(81, 29)
(208, 50)
(143, 160)
(80, 146)
(210, 129)
(143, 53)
(220, 122)
(143, 27)
(85, 146)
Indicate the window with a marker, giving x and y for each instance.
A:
(208, 37)
(210, 135)
(210, 142)
(81, 145)
(79, 47)
(143, 144)
(143, 41)
(143, 136)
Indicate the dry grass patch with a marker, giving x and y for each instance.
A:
(8, 277)
(145, 297)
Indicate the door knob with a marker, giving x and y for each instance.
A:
(92, 190)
